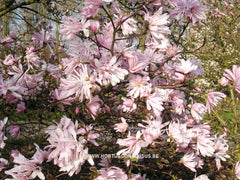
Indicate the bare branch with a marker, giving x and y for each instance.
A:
(6, 9)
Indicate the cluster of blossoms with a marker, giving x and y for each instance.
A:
(22, 77)
(25, 168)
(108, 59)
(192, 10)
(67, 150)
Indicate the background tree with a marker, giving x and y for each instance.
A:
(219, 34)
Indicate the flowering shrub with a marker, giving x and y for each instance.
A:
(123, 89)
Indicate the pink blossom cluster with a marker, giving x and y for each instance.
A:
(231, 76)
(6, 41)
(192, 10)
(22, 77)
(67, 145)
(25, 168)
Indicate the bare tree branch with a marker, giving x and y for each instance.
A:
(11, 6)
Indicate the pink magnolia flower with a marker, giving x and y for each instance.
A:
(121, 127)
(155, 101)
(6, 42)
(139, 86)
(105, 38)
(79, 52)
(221, 148)
(186, 67)
(9, 85)
(20, 107)
(112, 173)
(42, 37)
(153, 130)
(223, 81)
(34, 82)
(128, 104)
(237, 170)
(179, 76)
(110, 72)
(157, 24)
(62, 96)
(68, 150)
(92, 8)
(171, 51)
(14, 130)
(94, 105)
(198, 110)
(178, 101)
(71, 26)
(136, 61)
(32, 58)
(129, 26)
(54, 71)
(190, 160)
(180, 134)
(90, 135)
(134, 145)
(200, 128)
(192, 10)
(9, 60)
(205, 144)
(17, 73)
(80, 83)
(160, 45)
(234, 76)
(169, 68)
(40, 155)
(94, 25)
(213, 99)
(25, 168)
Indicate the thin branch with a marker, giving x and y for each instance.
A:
(61, 174)
(25, 21)
(16, 6)
(109, 16)
(184, 29)
(192, 52)
(40, 14)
